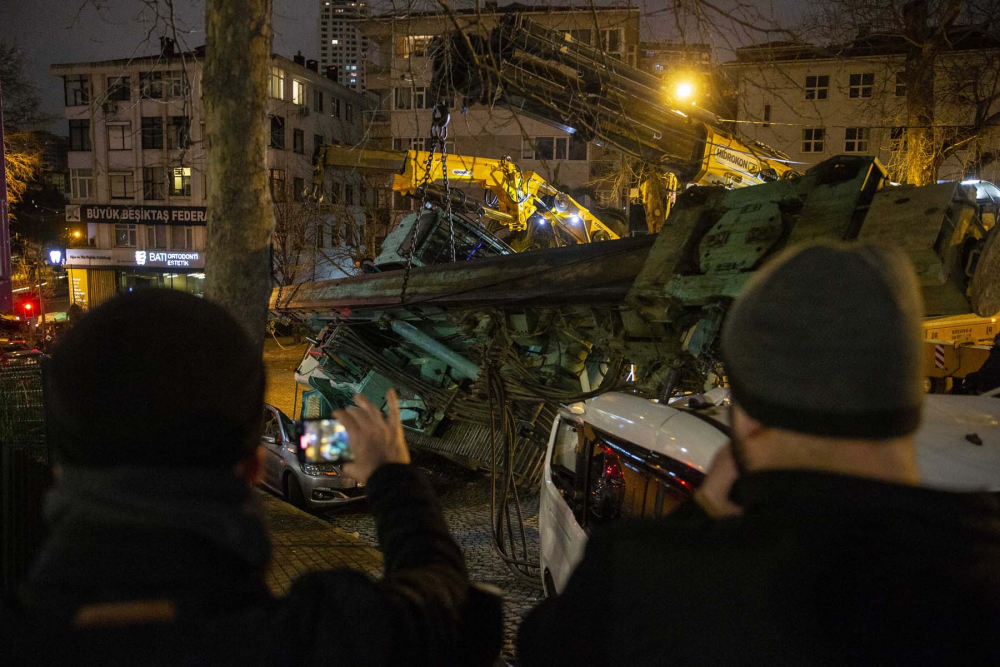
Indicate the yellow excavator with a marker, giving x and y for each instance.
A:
(519, 198)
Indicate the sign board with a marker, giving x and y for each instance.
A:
(130, 257)
(137, 214)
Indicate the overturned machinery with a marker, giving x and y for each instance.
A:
(484, 351)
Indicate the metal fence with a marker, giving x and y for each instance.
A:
(24, 470)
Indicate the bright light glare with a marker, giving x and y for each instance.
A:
(684, 91)
(575, 219)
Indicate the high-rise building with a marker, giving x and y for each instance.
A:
(342, 46)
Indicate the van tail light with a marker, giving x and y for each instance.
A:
(612, 468)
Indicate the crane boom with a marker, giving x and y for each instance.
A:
(578, 88)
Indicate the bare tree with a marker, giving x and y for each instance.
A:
(21, 110)
(240, 214)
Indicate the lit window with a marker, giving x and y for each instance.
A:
(298, 92)
(180, 185)
(277, 83)
(335, 41)
(81, 183)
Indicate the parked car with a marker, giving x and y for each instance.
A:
(18, 353)
(312, 486)
(620, 456)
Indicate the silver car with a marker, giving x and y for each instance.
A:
(311, 485)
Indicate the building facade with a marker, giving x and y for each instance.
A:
(342, 46)
(137, 178)
(399, 76)
(812, 103)
(664, 58)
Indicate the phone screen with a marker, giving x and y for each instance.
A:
(324, 441)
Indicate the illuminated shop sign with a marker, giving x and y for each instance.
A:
(148, 259)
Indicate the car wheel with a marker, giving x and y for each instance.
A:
(549, 584)
(293, 491)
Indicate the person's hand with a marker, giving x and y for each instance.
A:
(713, 494)
(374, 439)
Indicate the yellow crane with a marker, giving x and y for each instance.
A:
(521, 196)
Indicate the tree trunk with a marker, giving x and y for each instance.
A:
(921, 155)
(240, 217)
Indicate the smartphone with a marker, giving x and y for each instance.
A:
(323, 441)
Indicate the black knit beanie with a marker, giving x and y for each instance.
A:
(825, 340)
(155, 377)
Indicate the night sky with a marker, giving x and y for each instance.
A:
(52, 31)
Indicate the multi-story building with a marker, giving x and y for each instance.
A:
(137, 162)
(812, 102)
(341, 44)
(400, 77)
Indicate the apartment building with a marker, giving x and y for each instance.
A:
(813, 103)
(664, 58)
(136, 163)
(342, 46)
(399, 82)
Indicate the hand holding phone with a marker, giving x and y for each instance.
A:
(375, 440)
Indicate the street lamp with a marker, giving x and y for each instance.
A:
(684, 91)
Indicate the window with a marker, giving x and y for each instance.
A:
(767, 115)
(335, 107)
(320, 241)
(900, 84)
(76, 89)
(415, 46)
(119, 136)
(179, 132)
(403, 99)
(856, 139)
(298, 141)
(317, 142)
(151, 85)
(298, 186)
(613, 40)
(812, 139)
(554, 148)
(120, 185)
(277, 132)
(318, 101)
(277, 180)
(180, 184)
(125, 236)
(817, 87)
(298, 92)
(153, 183)
(156, 236)
(175, 83)
(860, 85)
(182, 238)
(348, 194)
(583, 36)
(79, 135)
(119, 89)
(349, 112)
(152, 132)
(81, 183)
(277, 83)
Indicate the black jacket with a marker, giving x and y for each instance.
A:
(225, 615)
(820, 569)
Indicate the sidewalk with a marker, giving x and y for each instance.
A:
(302, 543)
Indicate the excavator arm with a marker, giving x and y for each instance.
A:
(521, 196)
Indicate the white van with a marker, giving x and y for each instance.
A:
(621, 456)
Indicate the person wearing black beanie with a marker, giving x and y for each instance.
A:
(811, 540)
(157, 547)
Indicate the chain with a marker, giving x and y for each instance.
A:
(439, 132)
(447, 189)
